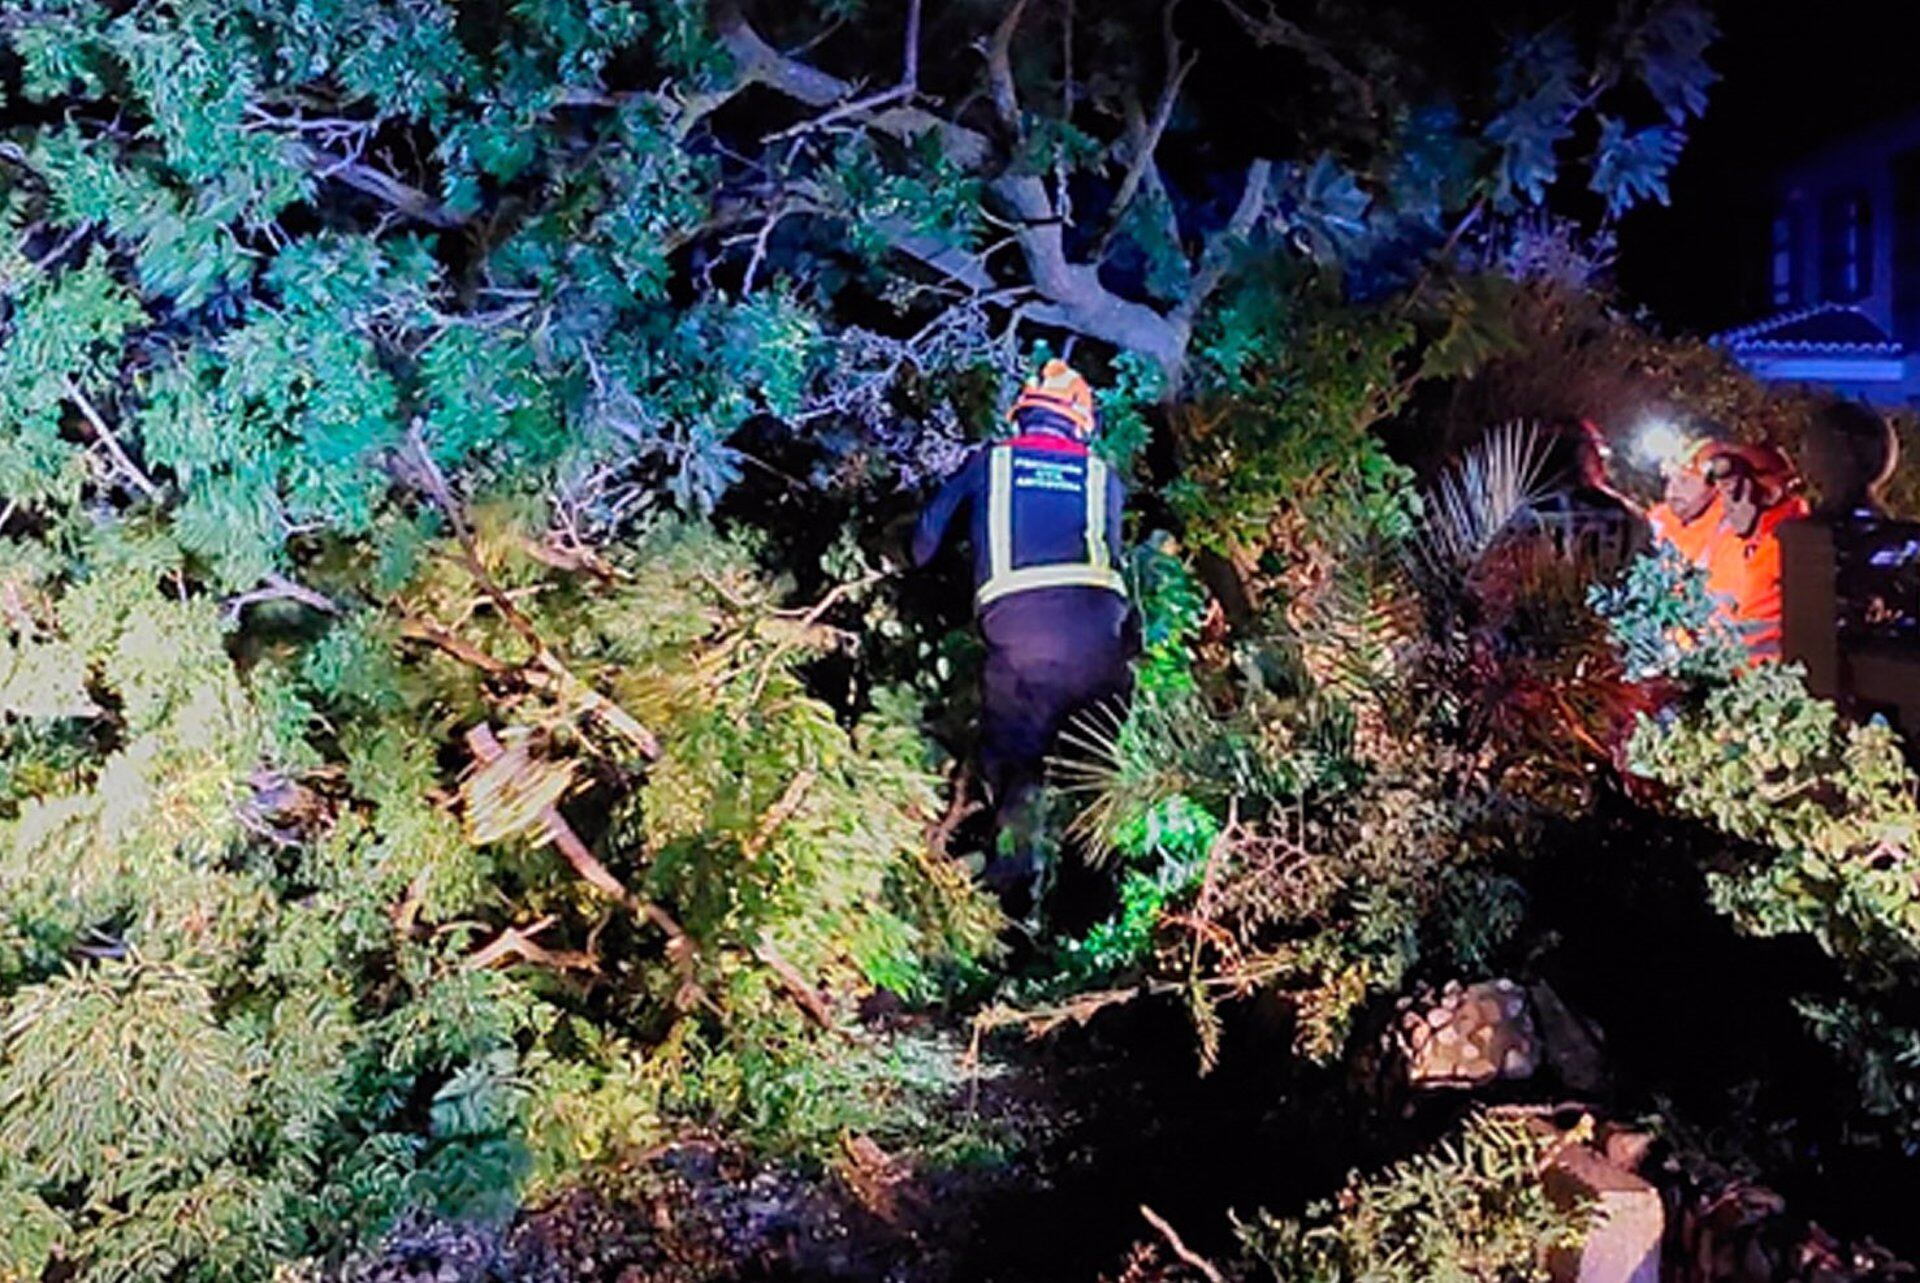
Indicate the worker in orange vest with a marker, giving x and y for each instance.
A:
(1757, 489)
(1689, 512)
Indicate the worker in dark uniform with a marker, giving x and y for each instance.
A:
(1044, 516)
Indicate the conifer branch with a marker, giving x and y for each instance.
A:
(562, 678)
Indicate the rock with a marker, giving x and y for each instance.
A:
(1623, 1245)
(1625, 1148)
(1467, 1036)
(1572, 1046)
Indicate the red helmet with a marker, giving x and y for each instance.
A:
(1767, 465)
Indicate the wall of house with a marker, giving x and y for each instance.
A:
(1863, 160)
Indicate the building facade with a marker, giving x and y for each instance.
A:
(1843, 271)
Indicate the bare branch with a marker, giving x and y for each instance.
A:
(807, 622)
(1000, 67)
(1147, 133)
(760, 63)
(1271, 28)
(67, 242)
(122, 461)
(804, 995)
(912, 77)
(1218, 254)
(517, 944)
(277, 587)
(1180, 1249)
(425, 630)
(561, 678)
(908, 87)
(383, 187)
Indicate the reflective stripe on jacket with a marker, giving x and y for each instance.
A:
(1045, 513)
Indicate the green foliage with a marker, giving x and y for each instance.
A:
(1544, 86)
(1471, 1209)
(1291, 387)
(301, 1043)
(1883, 1055)
(1172, 604)
(1827, 811)
(1263, 852)
(403, 800)
(1831, 803)
(1664, 623)
(1165, 851)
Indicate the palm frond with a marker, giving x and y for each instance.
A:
(1479, 498)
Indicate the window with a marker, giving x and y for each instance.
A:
(1784, 280)
(1846, 246)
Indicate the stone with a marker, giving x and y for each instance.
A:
(1623, 1244)
(1625, 1148)
(1572, 1047)
(1468, 1036)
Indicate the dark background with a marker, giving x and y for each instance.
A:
(1795, 74)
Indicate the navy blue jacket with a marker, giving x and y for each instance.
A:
(1049, 511)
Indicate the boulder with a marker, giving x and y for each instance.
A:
(1572, 1047)
(1467, 1035)
(1623, 1243)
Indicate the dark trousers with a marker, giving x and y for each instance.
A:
(1051, 652)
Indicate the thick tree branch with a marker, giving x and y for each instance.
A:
(1071, 294)
(1218, 255)
(1075, 297)
(1147, 134)
(1006, 101)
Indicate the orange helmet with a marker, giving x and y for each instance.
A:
(1059, 389)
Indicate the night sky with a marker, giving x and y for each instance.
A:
(1795, 74)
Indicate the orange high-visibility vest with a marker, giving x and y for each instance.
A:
(1690, 538)
(1744, 575)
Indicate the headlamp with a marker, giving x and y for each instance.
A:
(1664, 444)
